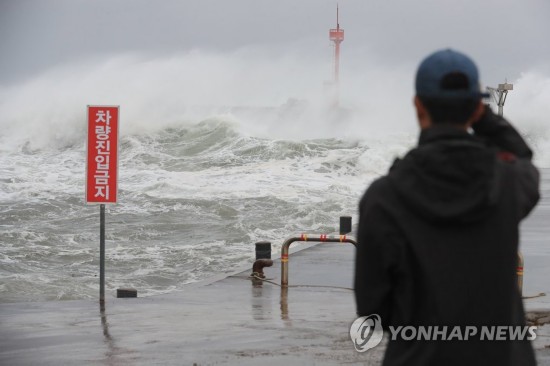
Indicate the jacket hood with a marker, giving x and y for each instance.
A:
(449, 177)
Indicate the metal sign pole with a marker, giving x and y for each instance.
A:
(101, 253)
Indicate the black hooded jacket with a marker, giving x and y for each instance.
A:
(438, 242)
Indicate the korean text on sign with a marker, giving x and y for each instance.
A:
(101, 180)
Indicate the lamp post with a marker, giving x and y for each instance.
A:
(499, 95)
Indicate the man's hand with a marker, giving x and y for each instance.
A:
(479, 113)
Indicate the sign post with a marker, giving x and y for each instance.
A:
(102, 253)
(101, 171)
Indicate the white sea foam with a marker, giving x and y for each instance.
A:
(200, 180)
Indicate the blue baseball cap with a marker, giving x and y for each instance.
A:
(448, 74)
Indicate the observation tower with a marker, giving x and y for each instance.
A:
(336, 36)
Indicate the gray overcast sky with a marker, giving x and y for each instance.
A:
(172, 61)
(506, 37)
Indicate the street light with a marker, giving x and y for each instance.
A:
(499, 95)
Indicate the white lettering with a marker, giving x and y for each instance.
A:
(455, 333)
(470, 332)
(462, 333)
(105, 145)
(102, 130)
(533, 335)
(102, 191)
(394, 332)
(501, 333)
(517, 333)
(104, 117)
(425, 333)
(102, 162)
(487, 333)
(441, 332)
(404, 333)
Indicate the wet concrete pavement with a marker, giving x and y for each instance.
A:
(234, 321)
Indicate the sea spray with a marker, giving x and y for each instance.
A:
(214, 156)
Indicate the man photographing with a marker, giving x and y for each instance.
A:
(438, 235)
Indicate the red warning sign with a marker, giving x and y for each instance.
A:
(102, 161)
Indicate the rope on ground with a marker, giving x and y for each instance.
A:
(255, 276)
(534, 296)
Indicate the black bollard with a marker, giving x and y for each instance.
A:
(263, 250)
(345, 225)
(126, 292)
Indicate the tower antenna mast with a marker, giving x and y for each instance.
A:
(336, 36)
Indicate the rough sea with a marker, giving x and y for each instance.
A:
(193, 200)
(197, 188)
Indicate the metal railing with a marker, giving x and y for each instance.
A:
(519, 271)
(304, 237)
(347, 239)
